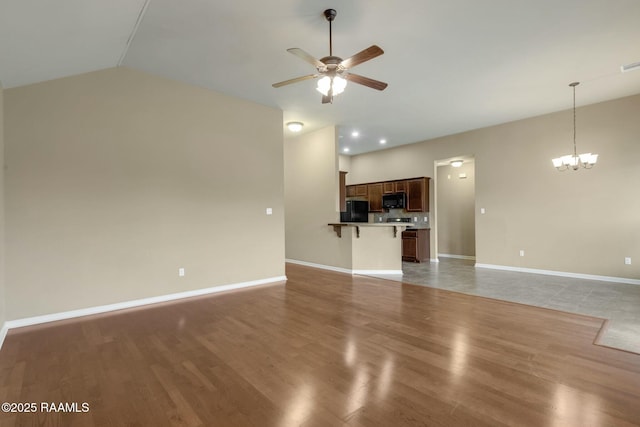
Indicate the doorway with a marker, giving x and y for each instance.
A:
(455, 208)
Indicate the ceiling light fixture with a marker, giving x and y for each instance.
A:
(295, 126)
(383, 141)
(335, 85)
(355, 134)
(456, 163)
(346, 150)
(575, 161)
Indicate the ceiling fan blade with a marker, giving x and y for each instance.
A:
(360, 57)
(306, 57)
(296, 80)
(366, 81)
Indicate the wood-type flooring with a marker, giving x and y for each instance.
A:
(324, 349)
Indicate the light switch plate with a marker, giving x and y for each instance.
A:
(269, 211)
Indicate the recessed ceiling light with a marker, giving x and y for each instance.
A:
(630, 67)
(456, 163)
(383, 141)
(346, 150)
(295, 126)
(355, 134)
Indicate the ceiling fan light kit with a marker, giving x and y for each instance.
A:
(575, 161)
(334, 71)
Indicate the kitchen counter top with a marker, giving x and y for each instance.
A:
(337, 226)
(374, 224)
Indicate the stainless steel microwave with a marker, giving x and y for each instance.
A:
(394, 201)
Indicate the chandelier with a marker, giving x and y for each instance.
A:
(575, 161)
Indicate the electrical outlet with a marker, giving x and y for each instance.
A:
(482, 211)
(415, 219)
(627, 260)
(426, 219)
(521, 252)
(181, 272)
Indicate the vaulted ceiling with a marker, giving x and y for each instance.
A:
(451, 65)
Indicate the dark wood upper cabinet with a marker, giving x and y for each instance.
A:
(400, 186)
(418, 195)
(375, 197)
(343, 191)
(416, 189)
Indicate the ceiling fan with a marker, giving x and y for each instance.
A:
(334, 71)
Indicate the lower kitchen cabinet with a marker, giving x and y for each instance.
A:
(415, 245)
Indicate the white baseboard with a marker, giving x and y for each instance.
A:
(322, 266)
(473, 258)
(561, 274)
(434, 260)
(340, 269)
(3, 334)
(10, 324)
(371, 272)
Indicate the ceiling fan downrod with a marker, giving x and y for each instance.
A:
(330, 15)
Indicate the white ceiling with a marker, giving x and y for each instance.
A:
(451, 66)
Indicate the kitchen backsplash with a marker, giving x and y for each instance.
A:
(420, 219)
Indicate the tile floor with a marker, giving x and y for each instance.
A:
(618, 302)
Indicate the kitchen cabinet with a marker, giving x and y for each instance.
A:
(417, 195)
(361, 190)
(343, 191)
(415, 245)
(375, 197)
(416, 190)
(390, 187)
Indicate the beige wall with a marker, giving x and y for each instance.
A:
(456, 210)
(344, 164)
(117, 178)
(2, 264)
(581, 222)
(311, 199)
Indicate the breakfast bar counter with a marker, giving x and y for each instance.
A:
(374, 248)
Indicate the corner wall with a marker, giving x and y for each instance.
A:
(311, 200)
(117, 178)
(579, 222)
